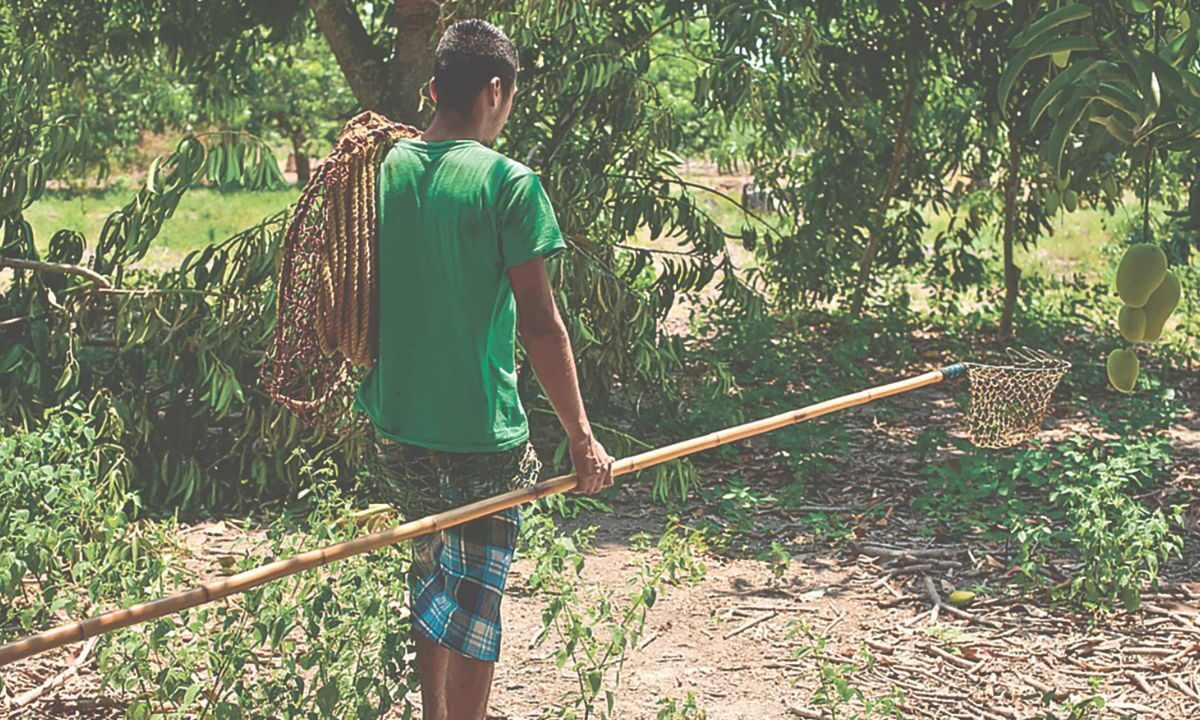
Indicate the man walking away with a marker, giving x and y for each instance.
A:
(463, 236)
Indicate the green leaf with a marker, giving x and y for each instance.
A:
(1172, 82)
(593, 679)
(1050, 21)
(11, 358)
(191, 694)
(1123, 134)
(1120, 98)
(1057, 142)
(1057, 86)
(152, 184)
(1040, 48)
(228, 711)
(1130, 598)
(1183, 48)
(1148, 85)
(327, 697)
(1192, 81)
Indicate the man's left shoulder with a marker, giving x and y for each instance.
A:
(508, 167)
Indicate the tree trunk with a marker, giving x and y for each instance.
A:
(388, 86)
(302, 163)
(1012, 273)
(416, 39)
(867, 261)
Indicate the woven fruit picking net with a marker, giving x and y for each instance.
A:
(327, 313)
(1009, 402)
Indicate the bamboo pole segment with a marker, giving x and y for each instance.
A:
(223, 587)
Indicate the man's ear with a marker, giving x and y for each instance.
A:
(433, 90)
(496, 92)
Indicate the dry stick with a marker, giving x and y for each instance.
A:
(50, 267)
(84, 704)
(756, 621)
(222, 587)
(951, 658)
(904, 553)
(60, 268)
(803, 712)
(1140, 682)
(934, 597)
(1181, 687)
(28, 697)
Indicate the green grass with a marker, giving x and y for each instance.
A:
(1081, 243)
(204, 216)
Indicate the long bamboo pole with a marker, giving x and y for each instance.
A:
(222, 587)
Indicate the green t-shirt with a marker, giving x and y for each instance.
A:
(454, 216)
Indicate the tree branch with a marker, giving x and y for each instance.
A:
(389, 85)
(59, 268)
(867, 261)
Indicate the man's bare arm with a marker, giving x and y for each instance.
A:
(549, 350)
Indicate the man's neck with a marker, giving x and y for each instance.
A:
(448, 126)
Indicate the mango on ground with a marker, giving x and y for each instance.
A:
(961, 597)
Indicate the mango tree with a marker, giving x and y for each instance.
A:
(1123, 81)
(857, 119)
(179, 349)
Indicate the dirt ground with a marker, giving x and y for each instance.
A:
(1009, 657)
(725, 638)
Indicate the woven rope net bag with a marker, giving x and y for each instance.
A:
(1008, 403)
(327, 298)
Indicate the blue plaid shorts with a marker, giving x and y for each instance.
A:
(457, 577)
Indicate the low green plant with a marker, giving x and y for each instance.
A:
(571, 506)
(1073, 499)
(70, 541)
(1121, 542)
(734, 504)
(836, 689)
(829, 526)
(332, 642)
(778, 559)
(595, 627)
(671, 709)
(1088, 706)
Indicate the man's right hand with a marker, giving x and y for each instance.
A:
(549, 351)
(593, 466)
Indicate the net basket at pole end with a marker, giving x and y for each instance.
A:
(1009, 402)
(326, 318)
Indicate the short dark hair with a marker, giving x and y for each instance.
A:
(471, 53)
